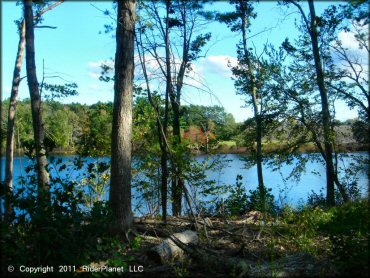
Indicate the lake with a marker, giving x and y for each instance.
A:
(286, 191)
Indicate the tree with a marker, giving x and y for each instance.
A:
(245, 74)
(120, 187)
(38, 123)
(213, 120)
(11, 119)
(183, 18)
(161, 121)
(13, 105)
(312, 24)
(350, 71)
(96, 123)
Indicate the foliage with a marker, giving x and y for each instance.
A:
(348, 230)
(237, 202)
(346, 226)
(95, 139)
(361, 131)
(210, 119)
(95, 181)
(262, 200)
(69, 233)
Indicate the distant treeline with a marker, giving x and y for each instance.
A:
(86, 129)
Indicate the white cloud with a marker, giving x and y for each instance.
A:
(357, 55)
(218, 64)
(348, 40)
(351, 43)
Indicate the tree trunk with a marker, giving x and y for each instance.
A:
(164, 180)
(9, 164)
(257, 113)
(120, 188)
(177, 182)
(261, 184)
(37, 120)
(169, 87)
(330, 171)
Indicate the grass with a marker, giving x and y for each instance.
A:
(229, 143)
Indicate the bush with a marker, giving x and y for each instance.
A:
(238, 202)
(346, 227)
(262, 201)
(67, 233)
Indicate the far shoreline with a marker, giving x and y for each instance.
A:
(223, 149)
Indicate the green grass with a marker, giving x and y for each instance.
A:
(229, 143)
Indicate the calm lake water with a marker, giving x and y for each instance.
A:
(291, 191)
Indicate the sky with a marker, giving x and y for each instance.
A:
(74, 51)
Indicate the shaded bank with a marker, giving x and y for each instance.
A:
(270, 148)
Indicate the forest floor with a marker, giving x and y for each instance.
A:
(245, 246)
(305, 242)
(250, 245)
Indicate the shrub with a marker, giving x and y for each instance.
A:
(237, 202)
(262, 201)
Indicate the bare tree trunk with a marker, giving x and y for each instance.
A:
(330, 171)
(120, 188)
(38, 123)
(9, 164)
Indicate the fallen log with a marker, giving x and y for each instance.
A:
(296, 265)
(215, 262)
(168, 250)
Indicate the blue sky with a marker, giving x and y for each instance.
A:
(75, 50)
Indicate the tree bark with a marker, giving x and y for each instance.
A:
(120, 188)
(37, 120)
(177, 181)
(164, 177)
(9, 164)
(330, 171)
